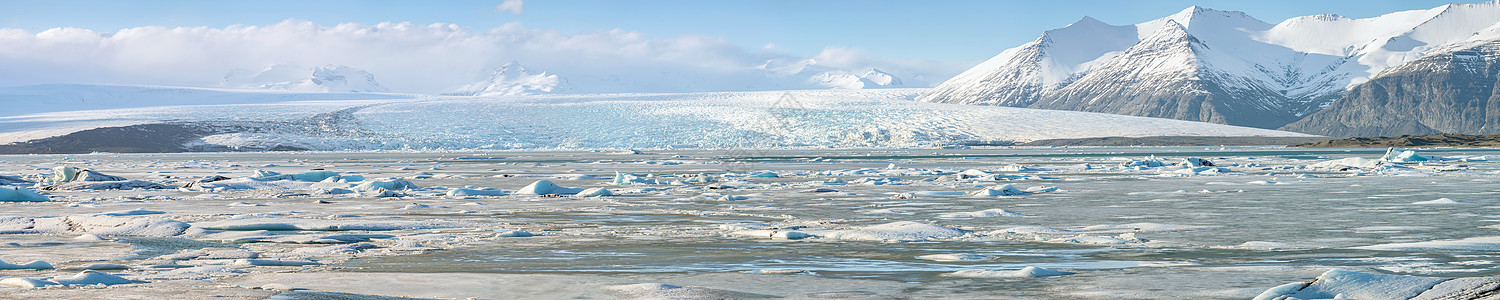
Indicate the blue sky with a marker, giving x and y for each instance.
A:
(950, 31)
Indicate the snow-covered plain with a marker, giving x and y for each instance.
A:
(777, 119)
(1014, 223)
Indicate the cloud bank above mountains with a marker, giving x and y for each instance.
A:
(431, 58)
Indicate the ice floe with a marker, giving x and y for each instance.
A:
(33, 265)
(476, 192)
(902, 231)
(988, 213)
(20, 194)
(88, 277)
(544, 187)
(97, 225)
(1027, 272)
(106, 185)
(1341, 284)
(66, 174)
(255, 222)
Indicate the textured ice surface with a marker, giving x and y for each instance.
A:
(899, 223)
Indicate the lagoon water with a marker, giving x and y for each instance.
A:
(718, 223)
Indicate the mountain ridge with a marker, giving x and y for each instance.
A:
(1247, 71)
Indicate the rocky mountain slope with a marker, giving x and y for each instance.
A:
(1214, 66)
(1450, 91)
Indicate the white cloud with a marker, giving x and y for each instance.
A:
(511, 6)
(419, 58)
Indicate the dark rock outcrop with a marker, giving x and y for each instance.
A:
(1449, 91)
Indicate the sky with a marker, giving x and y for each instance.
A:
(924, 41)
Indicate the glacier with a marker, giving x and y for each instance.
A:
(774, 119)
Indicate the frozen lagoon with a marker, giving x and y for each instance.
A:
(716, 224)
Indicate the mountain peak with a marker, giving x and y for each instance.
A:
(1088, 21)
(325, 78)
(511, 79)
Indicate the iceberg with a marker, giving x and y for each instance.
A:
(398, 184)
(33, 265)
(20, 194)
(476, 192)
(1195, 162)
(1341, 284)
(106, 185)
(1004, 190)
(544, 187)
(87, 277)
(311, 176)
(71, 174)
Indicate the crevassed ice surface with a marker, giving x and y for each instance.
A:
(1258, 219)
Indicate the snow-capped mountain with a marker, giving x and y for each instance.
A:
(827, 77)
(511, 79)
(327, 78)
(1207, 65)
(1450, 90)
(838, 79)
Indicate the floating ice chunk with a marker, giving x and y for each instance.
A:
(1150, 162)
(628, 179)
(1031, 272)
(20, 194)
(543, 187)
(1143, 227)
(940, 193)
(1398, 156)
(902, 231)
(253, 222)
(132, 212)
(397, 184)
(384, 193)
(476, 192)
(956, 257)
(1034, 230)
(1263, 245)
(419, 206)
(274, 263)
(595, 192)
(89, 237)
(23, 282)
(1202, 171)
(1354, 285)
(310, 176)
(988, 213)
(1354, 163)
(98, 225)
(1003, 190)
(1195, 162)
(100, 266)
(89, 277)
(1041, 189)
(765, 175)
(515, 233)
(33, 265)
(106, 185)
(71, 174)
(1439, 201)
(775, 234)
(1480, 244)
